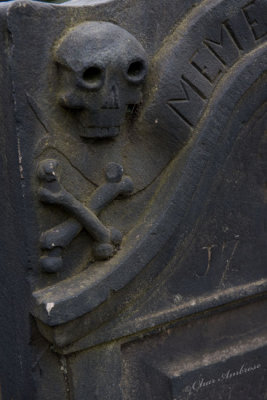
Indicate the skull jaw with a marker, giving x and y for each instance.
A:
(104, 123)
(100, 132)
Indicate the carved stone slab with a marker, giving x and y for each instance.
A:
(134, 155)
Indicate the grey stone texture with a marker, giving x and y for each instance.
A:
(133, 162)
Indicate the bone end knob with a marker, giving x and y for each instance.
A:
(115, 236)
(114, 172)
(51, 264)
(47, 170)
(104, 251)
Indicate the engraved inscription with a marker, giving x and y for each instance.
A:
(241, 31)
(256, 14)
(225, 48)
(215, 55)
(183, 106)
(207, 64)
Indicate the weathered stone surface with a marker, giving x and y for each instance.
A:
(201, 360)
(133, 162)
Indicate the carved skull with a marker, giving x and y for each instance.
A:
(102, 68)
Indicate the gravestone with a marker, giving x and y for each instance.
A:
(134, 200)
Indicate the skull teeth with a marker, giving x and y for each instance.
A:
(99, 132)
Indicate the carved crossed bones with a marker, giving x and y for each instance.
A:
(83, 216)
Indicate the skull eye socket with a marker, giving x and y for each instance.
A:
(93, 76)
(136, 71)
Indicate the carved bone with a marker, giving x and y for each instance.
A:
(62, 235)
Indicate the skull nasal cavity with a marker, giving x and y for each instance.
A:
(112, 100)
